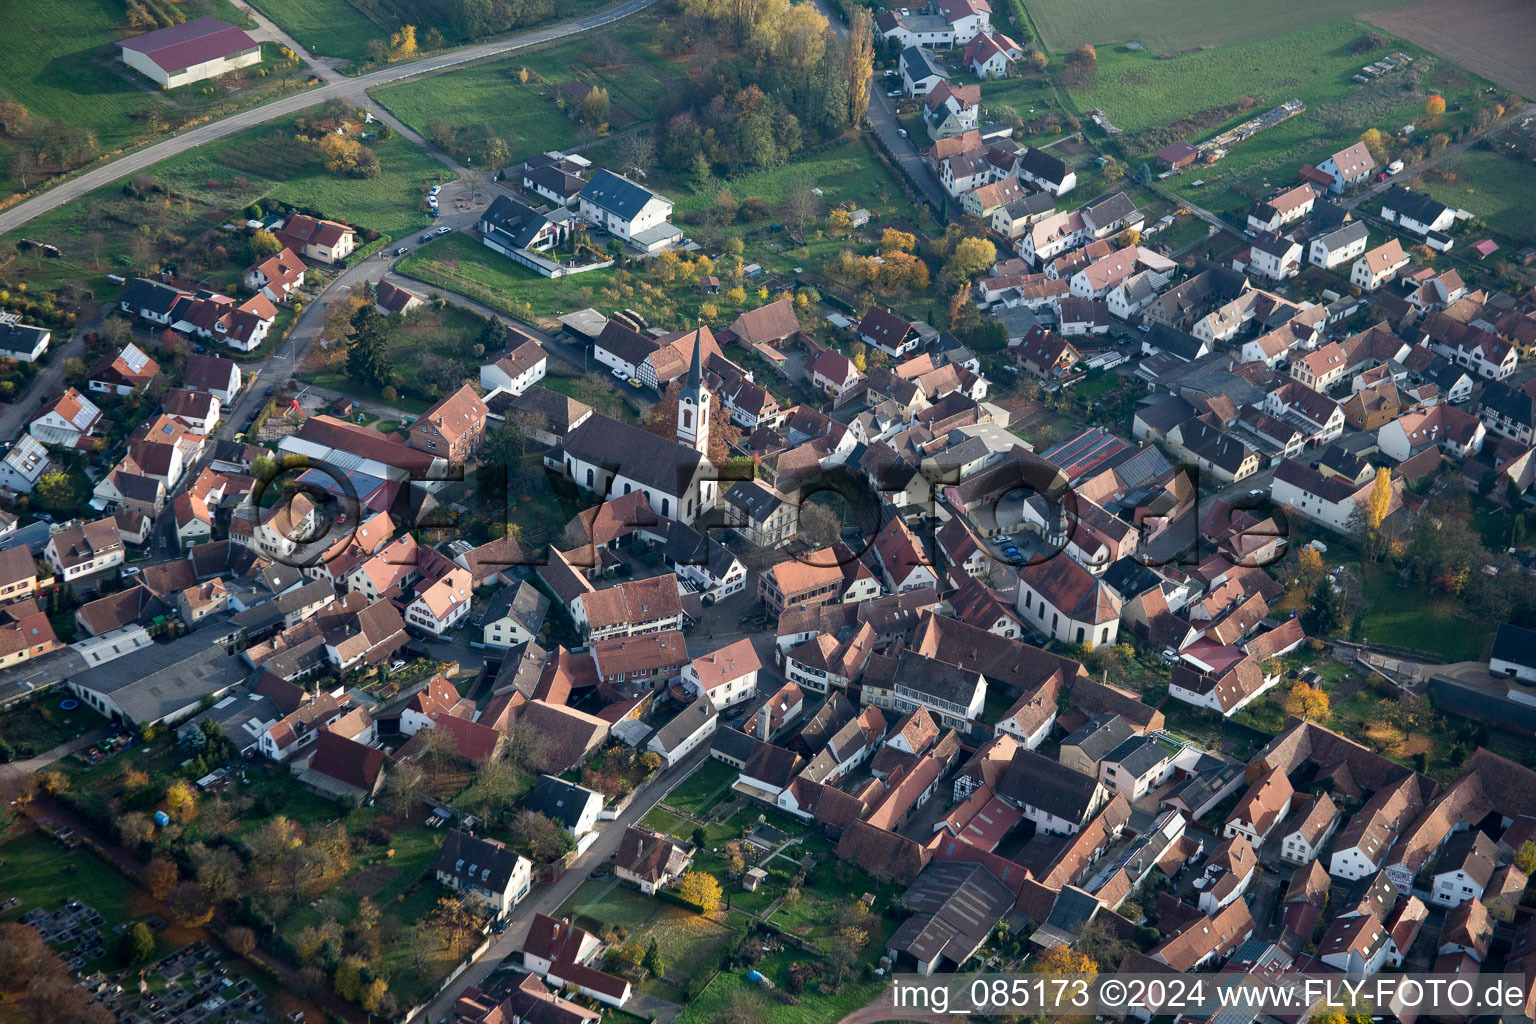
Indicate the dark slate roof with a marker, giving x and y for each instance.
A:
(142, 293)
(512, 221)
(734, 744)
(1414, 205)
(476, 861)
(560, 800)
(1036, 780)
(641, 455)
(922, 64)
(1099, 735)
(1163, 338)
(1341, 237)
(617, 195)
(1515, 644)
(1138, 755)
(1043, 165)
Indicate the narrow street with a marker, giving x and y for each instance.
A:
(547, 900)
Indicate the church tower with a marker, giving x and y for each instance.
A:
(693, 403)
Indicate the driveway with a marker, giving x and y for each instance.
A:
(45, 386)
(288, 105)
(547, 899)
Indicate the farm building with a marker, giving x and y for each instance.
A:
(193, 51)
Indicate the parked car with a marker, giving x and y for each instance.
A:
(401, 251)
(444, 229)
(902, 132)
(435, 190)
(618, 373)
(426, 237)
(634, 382)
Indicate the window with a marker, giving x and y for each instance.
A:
(1079, 634)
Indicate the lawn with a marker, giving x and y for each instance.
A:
(61, 65)
(1413, 617)
(663, 820)
(624, 60)
(689, 942)
(703, 789)
(1169, 28)
(812, 1008)
(39, 724)
(1192, 97)
(44, 873)
(326, 28)
(845, 171)
(1493, 185)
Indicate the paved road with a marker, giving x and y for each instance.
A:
(45, 386)
(547, 899)
(1453, 150)
(882, 121)
(144, 158)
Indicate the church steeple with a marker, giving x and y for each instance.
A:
(693, 402)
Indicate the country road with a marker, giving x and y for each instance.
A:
(141, 159)
(1453, 150)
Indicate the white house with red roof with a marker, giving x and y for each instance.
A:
(277, 276)
(1347, 166)
(992, 55)
(727, 676)
(66, 420)
(967, 18)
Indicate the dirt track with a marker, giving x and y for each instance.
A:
(1490, 37)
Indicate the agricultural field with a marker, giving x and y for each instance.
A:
(1192, 97)
(61, 65)
(1187, 25)
(1498, 187)
(1492, 37)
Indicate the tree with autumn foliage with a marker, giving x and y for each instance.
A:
(860, 65)
(662, 421)
(1308, 702)
(1064, 960)
(1084, 60)
(1435, 105)
(700, 889)
(1380, 503)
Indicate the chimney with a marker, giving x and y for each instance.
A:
(763, 720)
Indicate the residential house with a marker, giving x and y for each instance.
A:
(628, 211)
(991, 55)
(128, 371)
(453, 427)
(1457, 433)
(1047, 172)
(485, 869)
(1343, 244)
(23, 465)
(727, 676)
(1270, 215)
(277, 277)
(888, 332)
(218, 376)
(649, 859)
(1276, 257)
(1378, 266)
(514, 616)
(1415, 212)
(833, 373)
(688, 731)
(84, 549)
(524, 235)
(649, 661)
(1303, 840)
(392, 300)
(1349, 166)
(574, 808)
(921, 71)
(1138, 765)
(324, 241)
(1264, 806)
(22, 342)
(515, 370)
(1464, 868)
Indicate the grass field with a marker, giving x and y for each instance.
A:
(1499, 188)
(1170, 28)
(433, 349)
(626, 60)
(813, 1008)
(707, 786)
(1412, 617)
(326, 28)
(1145, 97)
(689, 942)
(58, 61)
